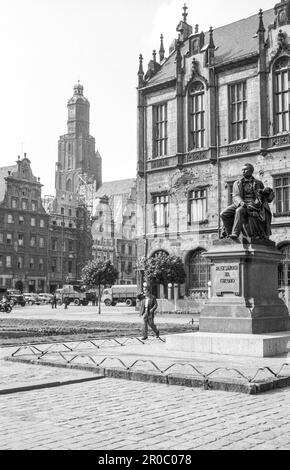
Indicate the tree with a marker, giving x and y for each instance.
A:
(163, 268)
(98, 273)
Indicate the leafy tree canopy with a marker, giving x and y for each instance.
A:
(98, 273)
(164, 268)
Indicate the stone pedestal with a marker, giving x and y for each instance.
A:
(245, 295)
(244, 315)
(266, 345)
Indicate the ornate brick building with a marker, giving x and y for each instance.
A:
(218, 100)
(24, 251)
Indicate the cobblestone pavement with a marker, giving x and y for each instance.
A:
(109, 414)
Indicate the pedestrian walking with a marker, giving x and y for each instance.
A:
(148, 308)
(54, 301)
(66, 302)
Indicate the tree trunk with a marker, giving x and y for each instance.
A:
(99, 300)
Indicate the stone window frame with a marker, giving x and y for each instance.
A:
(281, 112)
(10, 219)
(157, 201)
(235, 102)
(196, 115)
(276, 178)
(200, 268)
(11, 239)
(22, 241)
(160, 129)
(20, 265)
(14, 203)
(24, 204)
(33, 237)
(197, 189)
(9, 265)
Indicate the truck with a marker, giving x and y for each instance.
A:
(74, 293)
(120, 293)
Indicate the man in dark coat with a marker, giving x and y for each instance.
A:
(148, 308)
(245, 194)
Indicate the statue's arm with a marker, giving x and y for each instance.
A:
(237, 198)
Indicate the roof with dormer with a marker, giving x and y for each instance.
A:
(233, 41)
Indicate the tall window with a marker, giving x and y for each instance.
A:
(20, 239)
(199, 271)
(20, 262)
(284, 267)
(10, 219)
(68, 185)
(8, 261)
(282, 194)
(9, 238)
(161, 211)
(238, 111)
(32, 240)
(196, 116)
(160, 130)
(197, 205)
(32, 221)
(281, 94)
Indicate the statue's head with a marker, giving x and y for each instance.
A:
(248, 170)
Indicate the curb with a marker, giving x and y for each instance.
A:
(42, 385)
(222, 384)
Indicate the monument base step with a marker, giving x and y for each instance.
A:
(264, 345)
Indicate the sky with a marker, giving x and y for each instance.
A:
(48, 45)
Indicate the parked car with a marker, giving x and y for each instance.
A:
(31, 298)
(45, 298)
(16, 297)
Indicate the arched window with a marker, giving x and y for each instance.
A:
(68, 185)
(196, 124)
(199, 272)
(284, 266)
(281, 94)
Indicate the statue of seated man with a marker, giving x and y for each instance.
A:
(250, 213)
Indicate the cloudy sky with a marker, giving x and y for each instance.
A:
(48, 45)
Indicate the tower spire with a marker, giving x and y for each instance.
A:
(184, 14)
(140, 72)
(261, 28)
(161, 50)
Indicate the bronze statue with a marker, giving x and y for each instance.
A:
(250, 213)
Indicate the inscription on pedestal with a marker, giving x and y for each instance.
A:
(226, 278)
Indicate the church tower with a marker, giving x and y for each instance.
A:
(78, 162)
